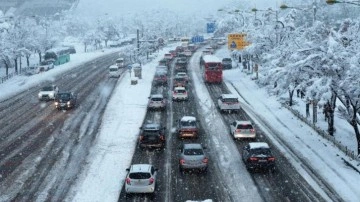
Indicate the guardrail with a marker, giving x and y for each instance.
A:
(323, 133)
(12, 74)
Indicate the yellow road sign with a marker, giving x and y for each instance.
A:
(237, 41)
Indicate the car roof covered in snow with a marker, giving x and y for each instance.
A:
(258, 145)
(188, 118)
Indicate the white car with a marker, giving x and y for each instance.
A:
(46, 65)
(157, 101)
(180, 93)
(242, 129)
(182, 75)
(48, 92)
(141, 178)
(229, 102)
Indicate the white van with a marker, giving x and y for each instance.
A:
(114, 71)
(120, 62)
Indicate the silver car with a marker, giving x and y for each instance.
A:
(141, 178)
(192, 156)
(157, 101)
(242, 129)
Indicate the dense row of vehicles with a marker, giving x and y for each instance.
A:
(141, 178)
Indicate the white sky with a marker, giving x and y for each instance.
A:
(103, 178)
(125, 7)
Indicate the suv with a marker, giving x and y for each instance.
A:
(181, 64)
(192, 156)
(180, 93)
(228, 102)
(141, 178)
(257, 155)
(226, 63)
(65, 100)
(160, 78)
(187, 127)
(48, 93)
(157, 101)
(152, 135)
(242, 129)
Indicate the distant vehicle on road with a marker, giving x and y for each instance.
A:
(46, 65)
(141, 178)
(156, 101)
(160, 79)
(212, 69)
(114, 71)
(257, 155)
(187, 127)
(242, 130)
(65, 100)
(59, 55)
(152, 135)
(180, 94)
(227, 63)
(229, 102)
(120, 62)
(192, 156)
(48, 93)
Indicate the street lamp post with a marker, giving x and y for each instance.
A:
(331, 2)
(313, 8)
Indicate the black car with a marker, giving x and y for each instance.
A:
(257, 155)
(152, 135)
(226, 63)
(65, 100)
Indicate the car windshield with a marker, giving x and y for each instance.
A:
(244, 126)
(226, 60)
(47, 88)
(192, 152)
(180, 79)
(188, 123)
(64, 96)
(139, 176)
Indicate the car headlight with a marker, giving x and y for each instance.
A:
(51, 94)
(56, 103)
(39, 95)
(68, 103)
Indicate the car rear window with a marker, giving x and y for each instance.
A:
(244, 126)
(193, 152)
(156, 99)
(180, 91)
(261, 151)
(230, 100)
(139, 176)
(47, 88)
(188, 123)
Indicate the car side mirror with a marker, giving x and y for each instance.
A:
(156, 169)
(128, 169)
(140, 127)
(164, 127)
(204, 147)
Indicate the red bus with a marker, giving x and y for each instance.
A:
(212, 69)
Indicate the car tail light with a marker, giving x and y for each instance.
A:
(141, 137)
(252, 130)
(151, 181)
(271, 159)
(205, 160)
(238, 130)
(162, 137)
(182, 161)
(253, 158)
(128, 181)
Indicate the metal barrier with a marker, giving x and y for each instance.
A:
(324, 134)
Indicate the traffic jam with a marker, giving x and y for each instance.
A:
(175, 151)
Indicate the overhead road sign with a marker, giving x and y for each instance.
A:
(237, 41)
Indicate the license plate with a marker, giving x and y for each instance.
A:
(262, 161)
